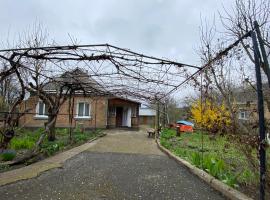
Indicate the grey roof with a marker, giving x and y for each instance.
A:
(78, 80)
(249, 94)
(147, 112)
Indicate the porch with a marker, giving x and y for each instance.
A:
(122, 113)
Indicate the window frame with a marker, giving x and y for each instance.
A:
(112, 111)
(83, 116)
(43, 116)
(245, 115)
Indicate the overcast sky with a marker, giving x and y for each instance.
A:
(164, 28)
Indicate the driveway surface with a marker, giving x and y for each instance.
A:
(122, 165)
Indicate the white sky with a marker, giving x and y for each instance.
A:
(164, 28)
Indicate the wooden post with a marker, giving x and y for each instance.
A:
(158, 122)
(164, 115)
(95, 113)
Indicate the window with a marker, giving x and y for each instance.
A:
(112, 111)
(134, 112)
(41, 110)
(83, 110)
(243, 115)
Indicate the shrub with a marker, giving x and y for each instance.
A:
(8, 155)
(80, 137)
(210, 115)
(49, 148)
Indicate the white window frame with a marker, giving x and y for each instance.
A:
(77, 110)
(44, 110)
(245, 117)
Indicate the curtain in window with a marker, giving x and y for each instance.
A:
(81, 108)
(41, 108)
(86, 111)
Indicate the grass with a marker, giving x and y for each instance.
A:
(8, 155)
(25, 139)
(219, 157)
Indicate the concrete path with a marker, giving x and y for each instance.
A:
(122, 165)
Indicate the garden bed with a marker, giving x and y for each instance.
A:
(217, 156)
(25, 140)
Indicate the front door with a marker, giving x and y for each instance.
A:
(126, 117)
(119, 116)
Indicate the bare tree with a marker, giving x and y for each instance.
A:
(12, 68)
(240, 20)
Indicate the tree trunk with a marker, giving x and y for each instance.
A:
(50, 127)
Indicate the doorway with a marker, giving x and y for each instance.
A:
(123, 116)
(119, 116)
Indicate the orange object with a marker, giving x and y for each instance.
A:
(185, 128)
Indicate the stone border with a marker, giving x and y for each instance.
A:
(226, 190)
(37, 168)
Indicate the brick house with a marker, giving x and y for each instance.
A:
(246, 100)
(99, 111)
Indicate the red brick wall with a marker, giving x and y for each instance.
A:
(98, 113)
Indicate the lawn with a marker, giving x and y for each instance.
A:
(25, 140)
(218, 156)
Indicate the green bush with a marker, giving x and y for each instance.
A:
(50, 148)
(80, 137)
(8, 155)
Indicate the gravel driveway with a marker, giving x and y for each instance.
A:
(122, 165)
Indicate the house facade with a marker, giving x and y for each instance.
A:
(246, 101)
(89, 106)
(86, 112)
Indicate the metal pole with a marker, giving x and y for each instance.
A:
(201, 99)
(158, 113)
(164, 115)
(265, 61)
(261, 115)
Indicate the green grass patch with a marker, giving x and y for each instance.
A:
(26, 139)
(8, 155)
(217, 156)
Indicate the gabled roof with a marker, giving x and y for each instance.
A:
(78, 80)
(249, 94)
